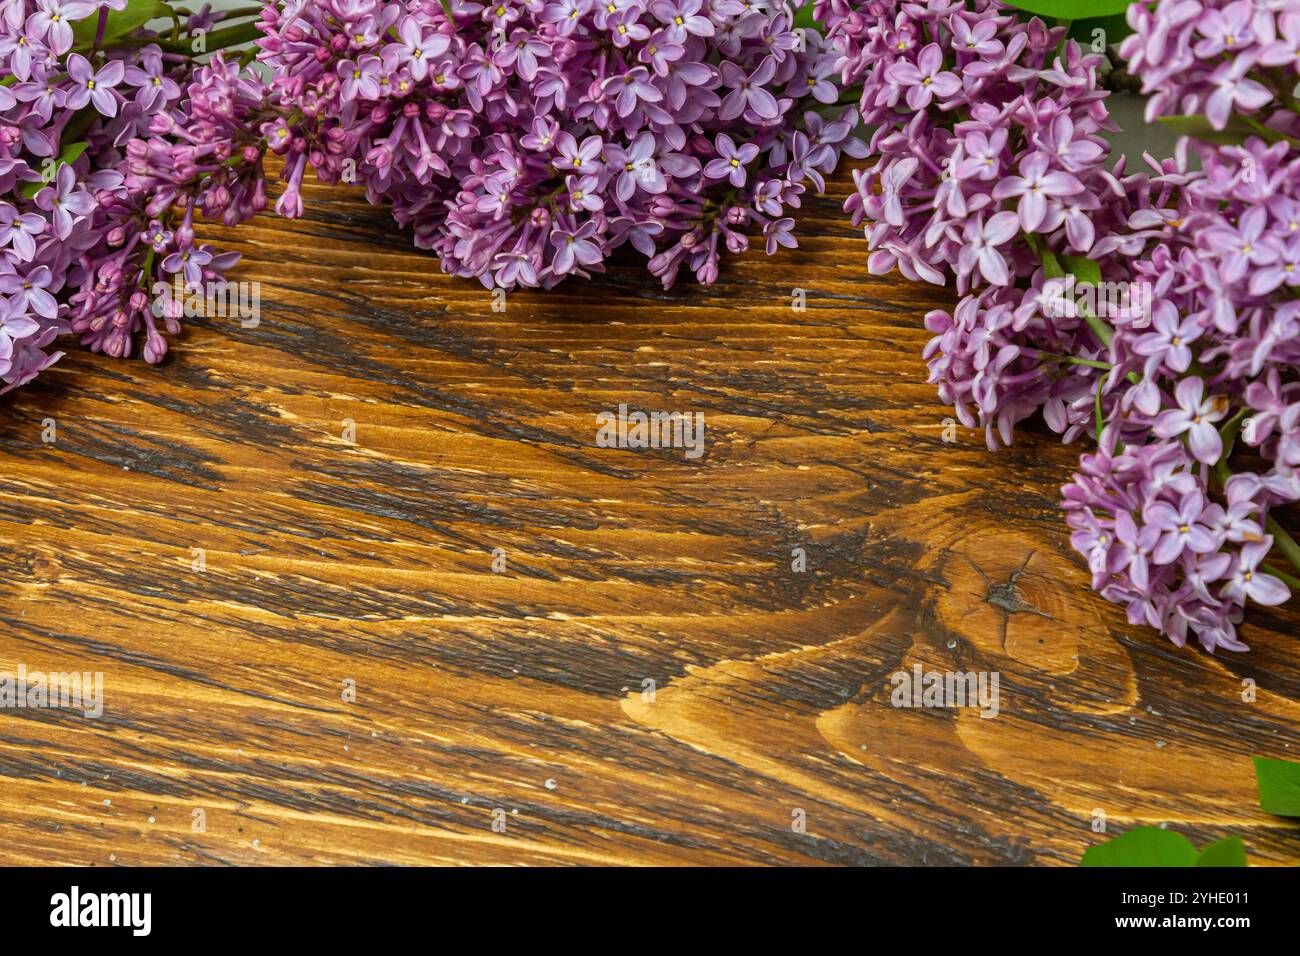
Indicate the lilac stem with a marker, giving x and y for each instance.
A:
(103, 25)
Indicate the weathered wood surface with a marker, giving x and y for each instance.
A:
(475, 430)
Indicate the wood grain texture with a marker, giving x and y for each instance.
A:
(522, 691)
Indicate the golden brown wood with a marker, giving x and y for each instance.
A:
(371, 562)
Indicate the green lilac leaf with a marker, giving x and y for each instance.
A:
(1143, 846)
(1115, 28)
(1234, 134)
(121, 23)
(69, 155)
(1279, 786)
(1083, 269)
(1227, 852)
(1071, 9)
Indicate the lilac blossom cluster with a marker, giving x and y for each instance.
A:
(111, 140)
(525, 140)
(1175, 525)
(1174, 511)
(990, 171)
(1155, 310)
(1222, 60)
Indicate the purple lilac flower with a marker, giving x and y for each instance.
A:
(1196, 360)
(1194, 416)
(94, 87)
(523, 143)
(66, 201)
(731, 161)
(1206, 57)
(976, 112)
(97, 148)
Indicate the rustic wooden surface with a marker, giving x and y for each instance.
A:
(522, 691)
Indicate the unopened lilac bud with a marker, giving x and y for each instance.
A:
(289, 204)
(155, 347)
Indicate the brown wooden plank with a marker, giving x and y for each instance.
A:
(475, 430)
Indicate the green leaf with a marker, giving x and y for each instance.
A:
(1071, 9)
(1228, 852)
(1143, 846)
(803, 20)
(1051, 265)
(1083, 269)
(70, 155)
(1234, 134)
(222, 39)
(1279, 786)
(1099, 414)
(1115, 28)
(120, 22)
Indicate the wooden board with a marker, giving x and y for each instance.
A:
(519, 696)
